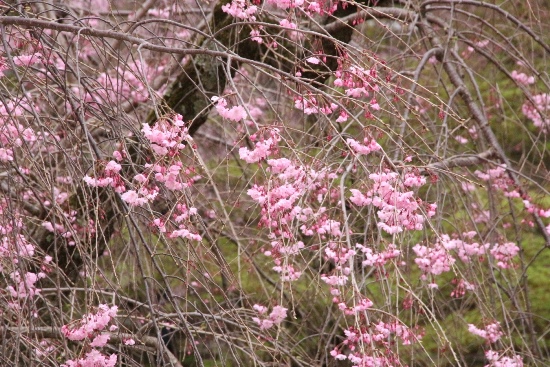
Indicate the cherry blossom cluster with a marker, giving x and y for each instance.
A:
(281, 254)
(263, 147)
(277, 315)
(371, 346)
(533, 208)
(504, 253)
(255, 110)
(308, 6)
(24, 284)
(522, 78)
(439, 257)
(378, 259)
(28, 50)
(235, 113)
(369, 145)
(108, 177)
(89, 329)
(293, 35)
(249, 112)
(309, 104)
(12, 133)
(398, 210)
(360, 306)
(357, 82)
(24, 60)
(93, 359)
(461, 286)
(499, 180)
(492, 332)
(91, 325)
(16, 252)
(497, 359)
(538, 110)
(289, 185)
(166, 138)
(247, 10)
(342, 257)
(241, 9)
(13, 245)
(470, 49)
(180, 223)
(433, 260)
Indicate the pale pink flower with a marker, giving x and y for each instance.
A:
(313, 60)
(522, 78)
(100, 340)
(491, 333)
(235, 113)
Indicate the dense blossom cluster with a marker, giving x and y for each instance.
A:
(500, 360)
(504, 253)
(378, 259)
(368, 146)
(310, 104)
(439, 257)
(263, 147)
(371, 346)
(168, 137)
(535, 108)
(538, 110)
(91, 324)
(399, 210)
(94, 358)
(16, 253)
(277, 315)
(492, 332)
(110, 177)
(282, 201)
(244, 9)
(89, 328)
(235, 113)
(241, 9)
(522, 78)
(499, 180)
(356, 81)
(12, 133)
(291, 185)
(355, 222)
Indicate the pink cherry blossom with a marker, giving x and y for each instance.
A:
(93, 359)
(235, 113)
(277, 316)
(370, 145)
(90, 324)
(241, 10)
(504, 253)
(492, 332)
(522, 78)
(500, 360)
(100, 340)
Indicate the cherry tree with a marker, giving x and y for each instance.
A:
(278, 182)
